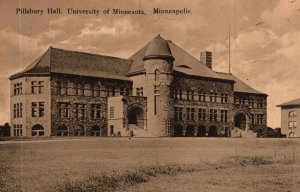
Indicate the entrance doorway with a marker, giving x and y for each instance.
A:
(135, 115)
(240, 121)
(212, 131)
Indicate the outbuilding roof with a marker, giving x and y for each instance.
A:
(294, 102)
(78, 63)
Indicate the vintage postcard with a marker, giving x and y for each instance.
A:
(149, 95)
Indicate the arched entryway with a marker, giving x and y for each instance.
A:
(62, 130)
(95, 130)
(136, 115)
(190, 131)
(212, 131)
(79, 130)
(37, 130)
(201, 131)
(240, 121)
(178, 131)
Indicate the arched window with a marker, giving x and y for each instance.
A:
(292, 124)
(156, 73)
(37, 130)
(292, 114)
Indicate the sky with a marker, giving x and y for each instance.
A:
(264, 36)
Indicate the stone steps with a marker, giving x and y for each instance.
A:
(239, 133)
(138, 132)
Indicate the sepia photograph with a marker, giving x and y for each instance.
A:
(149, 95)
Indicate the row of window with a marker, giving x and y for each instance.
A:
(64, 88)
(257, 119)
(36, 87)
(202, 114)
(18, 110)
(258, 103)
(80, 110)
(201, 96)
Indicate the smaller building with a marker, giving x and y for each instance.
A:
(290, 116)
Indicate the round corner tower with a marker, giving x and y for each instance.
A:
(158, 63)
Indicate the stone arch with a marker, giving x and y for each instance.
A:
(136, 115)
(62, 130)
(95, 130)
(241, 120)
(190, 131)
(201, 131)
(213, 131)
(178, 130)
(79, 130)
(37, 130)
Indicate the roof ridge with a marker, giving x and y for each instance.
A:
(68, 50)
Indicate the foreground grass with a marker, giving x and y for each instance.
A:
(122, 181)
(76, 164)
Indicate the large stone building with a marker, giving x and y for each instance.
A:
(290, 117)
(160, 90)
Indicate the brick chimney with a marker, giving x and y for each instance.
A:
(206, 58)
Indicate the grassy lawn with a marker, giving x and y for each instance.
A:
(207, 164)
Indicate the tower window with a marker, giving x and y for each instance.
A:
(156, 75)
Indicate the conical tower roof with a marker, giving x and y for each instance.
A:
(158, 48)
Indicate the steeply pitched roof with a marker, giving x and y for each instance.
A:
(78, 63)
(295, 102)
(184, 62)
(239, 85)
(158, 47)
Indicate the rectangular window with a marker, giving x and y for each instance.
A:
(79, 89)
(202, 114)
(178, 113)
(156, 104)
(41, 86)
(190, 113)
(292, 124)
(251, 103)
(17, 130)
(252, 119)
(259, 119)
(34, 87)
(18, 110)
(95, 111)
(139, 92)
(96, 90)
(34, 109)
(224, 115)
(63, 109)
(202, 96)
(224, 98)
(213, 115)
(213, 97)
(80, 110)
(17, 89)
(37, 109)
(260, 103)
(111, 91)
(112, 112)
(103, 91)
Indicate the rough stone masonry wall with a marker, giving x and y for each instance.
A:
(72, 122)
(198, 85)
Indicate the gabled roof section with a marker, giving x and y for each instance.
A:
(78, 63)
(239, 85)
(192, 66)
(295, 102)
